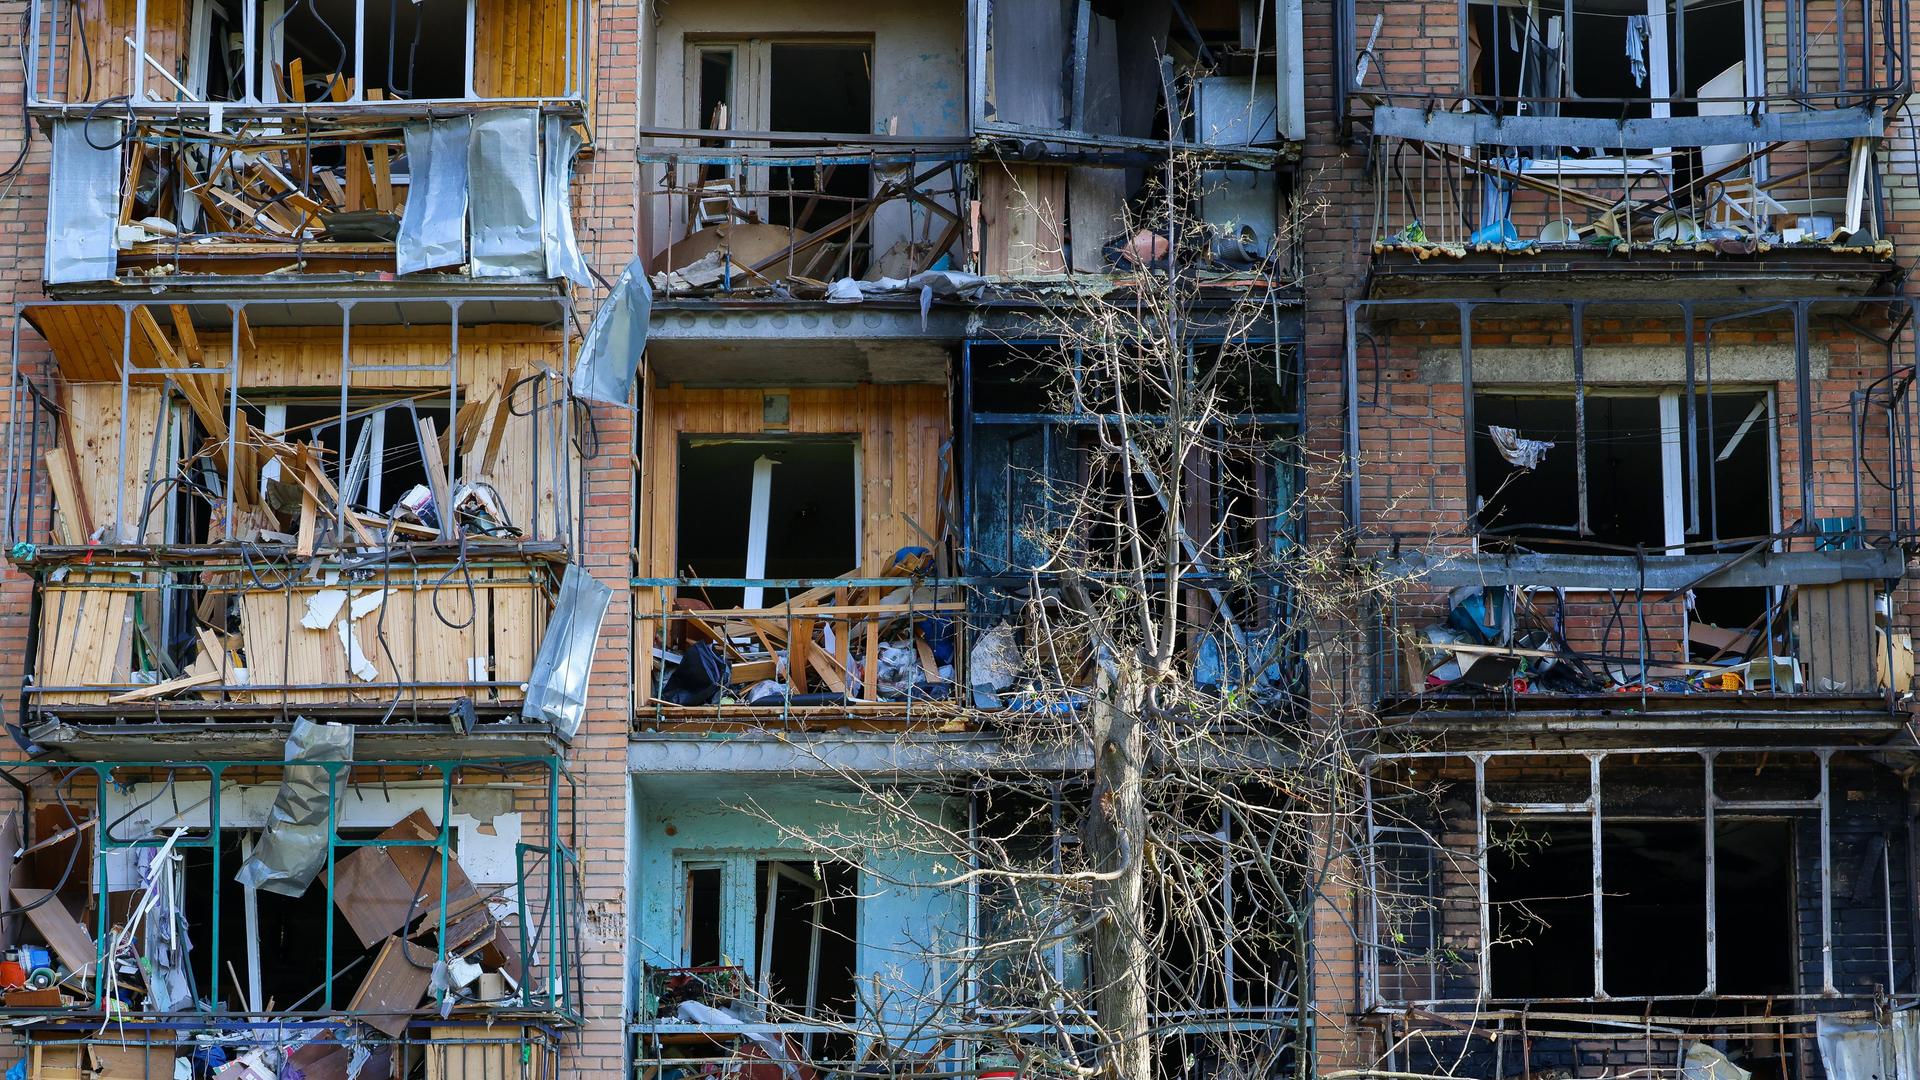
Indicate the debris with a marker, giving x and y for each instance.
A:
(294, 847)
(557, 689)
(1525, 453)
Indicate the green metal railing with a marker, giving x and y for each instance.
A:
(546, 937)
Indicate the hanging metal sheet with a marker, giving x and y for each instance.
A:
(503, 169)
(294, 846)
(611, 354)
(433, 229)
(557, 689)
(83, 203)
(562, 145)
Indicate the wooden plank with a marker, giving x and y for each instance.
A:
(870, 672)
(799, 645)
(73, 525)
(309, 522)
(382, 165)
(436, 467)
(64, 935)
(161, 689)
(1835, 629)
(394, 986)
(822, 665)
(189, 338)
(370, 893)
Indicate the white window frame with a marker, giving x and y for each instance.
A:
(1672, 451)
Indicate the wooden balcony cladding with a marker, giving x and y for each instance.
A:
(423, 634)
(520, 49)
(108, 67)
(501, 435)
(901, 430)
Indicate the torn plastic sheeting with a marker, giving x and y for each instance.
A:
(1854, 1047)
(433, 228)
(294, 847)
(1526, 453)
(557, 689)
(83, 203)
(611, 354)
(556, 203)
(164, 943)
(503, 170)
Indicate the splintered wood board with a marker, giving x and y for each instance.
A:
(394, 986)
(68, 940)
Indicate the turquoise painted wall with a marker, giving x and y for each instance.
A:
(906, 922)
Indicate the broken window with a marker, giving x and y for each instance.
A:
(702, 917)
(807, 922)
(775, 508)
(1641, 484)
(1615, 59)
(806, 85)
(404, 49)
(1654, 914)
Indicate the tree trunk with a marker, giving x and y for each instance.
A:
(1116, 833)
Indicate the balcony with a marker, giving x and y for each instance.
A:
(273, 908)
(1586, 145)
(780, 947)
(317, 513)
(326, 57)
(186, 199)
(1758, 874)
(1636, 515)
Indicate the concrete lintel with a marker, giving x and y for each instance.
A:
(1623, 365)
(65, 740)
(827, 754)
(693, 321)
(1599, 133)
(1656, 573)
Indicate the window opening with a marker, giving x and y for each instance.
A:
(702, 929)
(1636, 438)
(1634, 52)
(1654, 910)
(415, 49)
(808, 921)
(290, 931)
(716, 70)
(825, 87)
(785, 508)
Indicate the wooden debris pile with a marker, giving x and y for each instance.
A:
(828, 645)
(290, 181)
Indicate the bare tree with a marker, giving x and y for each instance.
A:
(1143, 842)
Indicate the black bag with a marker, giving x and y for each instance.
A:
(700, 678)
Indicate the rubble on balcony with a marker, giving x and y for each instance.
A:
(127, 965)
(216, 542)
(249, 197)
(1439, 202)
(831, 645)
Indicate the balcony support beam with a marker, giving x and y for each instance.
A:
(1654, 573)
(1598, 133)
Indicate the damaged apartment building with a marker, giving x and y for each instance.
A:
(1627, 346)
(546, 536)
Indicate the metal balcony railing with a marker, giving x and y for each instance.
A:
(914, 648)
(491, 901)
